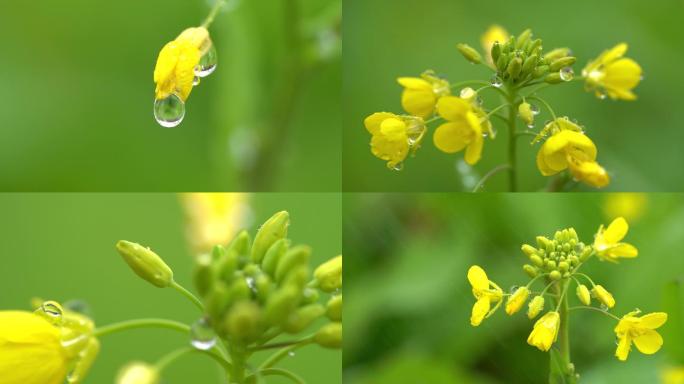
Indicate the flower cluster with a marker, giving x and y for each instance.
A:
(521, 69)
(556, 262)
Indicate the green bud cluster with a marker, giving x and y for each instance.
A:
(557, 257)
(522, 59)
(250, 287)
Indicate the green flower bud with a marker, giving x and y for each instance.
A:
(536, 260)
(203, 274)
(280, 304)
(145, 263)
(297, 277)
(583, 294)
(555, 275)
(563, 266)
(563, 62)
(535, 306)
(574, 260)
(470, 53)
(329, 275)
(274, 229)
(529, 64)
(264, 286)
(543, 242)
(586, 252)
(294, 257)
(540, 71)
(496, 51)
(550, 264)
(573, 234)
(530, 270)
(273, 256)
(310, 295)
(553, 78)
(217, 300)
(502, 61)
(334, 308)
(556, 54)
(523, 39)
(303, 317)
(514, 67)
(227, 263)
(528, 250)
(535, 47)
(329, 336)
(239, 290)
(244, 322)
(241, 243)
(526, 115)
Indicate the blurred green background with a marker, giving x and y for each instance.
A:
(61, 247)
(77, 97)
(638, 142)
(408, 302)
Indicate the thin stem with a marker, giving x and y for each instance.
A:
(546, 105)
(488, 175)
(469, 82)
(564, 331)
(594, 309)
(276, 357)
(282, 344)
(432, 120)
(279, 372)
(168, 359)
(586, 277)
(141, 323)
(189, 295)
(493, 111)
(512, 159)
(212, 14)
(535, 279)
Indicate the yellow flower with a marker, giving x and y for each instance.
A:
(421, 93)
(516, 300)
(493, 34)
(175, 69)
(613, 75)
(464, 128)
(213, 218)
(583, 294)
(672, 375)
(535, 306)
(607, 242)
(631, 206)
(569, 148)
(545, 330)
(485, 291)
(641, 331)
(138, 373)
(603, 296)
(393, 136)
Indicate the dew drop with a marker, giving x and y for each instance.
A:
(291, 353)
(567, 74)
(251, 283)
(513, 288)
(496, 81)
(195, 81)
(207, 63)
(601, 94)
(530, 126)
(534, 109)
(51, 311)
(604, 307)
(398, 167)
(202, 336)
(169, 112)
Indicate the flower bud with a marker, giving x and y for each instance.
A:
(334, 308)
(310, 295)
(244, 321)
(583, 294)
(540, 71)
(528, 250)
(240, 244)
(523, 39)
(502, 61)
(273, 255)
(203, 274)
(543, 242)
(555, 275)
(293, 258)
(534, 47)
(329, 275)
(514, 67)
(535, 306)
(536, 260)
(303, 317)
(516, 300)
(145, 263)
(529, 64)
(470, 53)
(563, 266)
(329, 336)
(280, 304)
(138, 373)
(526, 115)
(550, 264)
(563, 62)
(586, 252)
(556, 54)
(274, 229)
(553, 78)
(227, 263)
(496, 51)
(530, 270)
(603, 296)
(217, 300)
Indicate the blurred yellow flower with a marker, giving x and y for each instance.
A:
(138, 373)
(535, 306)
(607, 242)
(464, 128)
(545, 330)
(672, 375)
(213, 218)
(603, 296)
(485, 291)
(612, 75)
(493, 34)
(420, 94)
(631, 206)
(516, 300)
(393, 136)
(569, 148)
(641, 331)
(583, 294)
(174, 72)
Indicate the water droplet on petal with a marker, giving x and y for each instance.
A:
(195, 81)
(567, 74)
(51, 311)
(207, 63)
(202, 336)
(398, 167)
(601, 94)
(496, 81)
(169, 112)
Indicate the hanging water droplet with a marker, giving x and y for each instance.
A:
(530, 126)
(51, 311)
(251, 283)
(496, 81)
(604, 307)
(398, 166)
(195, 81)
(567, 74)
(534, 109)
(291, 353)
(601, 94)
(169, 112)
(202, 336)
(513, 288)
(207, 63)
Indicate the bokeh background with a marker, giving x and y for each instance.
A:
(638, 141)
(408, 302)
(77, 96)
(61, 247)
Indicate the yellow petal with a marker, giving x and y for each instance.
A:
(478, 278)
(616, 231)
(415, 83)
(543, 167)
(653, 320)
(392, 151)
(373, 121)
(622, 74)
(614, 53)
(623, 347)
(480, 310)
(649, 342)
(419, 103)
(622, 250)
(453, 108)
(452, 137)
(393, 129)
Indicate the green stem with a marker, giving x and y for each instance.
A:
(141, 323)
(564, 332)
(489, 174)
(189, 295)
(276, 357)
(280, 372)
(168, 359)
(594, 309)
(282, 344)
(512, 158)
(212, 14)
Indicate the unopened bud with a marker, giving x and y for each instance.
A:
(528, 249)
(334, 308)
(553, 78)
(274, 229)
(514, 67)
(563, 62)
(530, 270)
(535, 306)
(470, 53)
(526, 115)
(583, 294)
(603, 296)
(293, 258)
(303, 317)
(555, 275)
(556, 54)
(145, 263)
(244, 321)
(138, 373)
(329, 336)
(329, 275)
